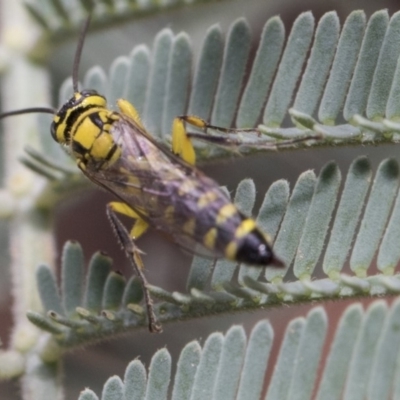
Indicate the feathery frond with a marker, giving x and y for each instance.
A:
(299, 227)
(361, 362)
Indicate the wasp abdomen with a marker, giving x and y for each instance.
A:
(252, 248)
(247, 243)
(223, 229)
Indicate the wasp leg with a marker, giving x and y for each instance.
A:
(203, 124)
(133, 253)
(181, 139)
(140, 226)
(181, 143)
(130, 111)
(232, 142)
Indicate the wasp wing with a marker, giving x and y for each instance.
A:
(163, 189)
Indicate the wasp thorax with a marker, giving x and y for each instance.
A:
(74, 109)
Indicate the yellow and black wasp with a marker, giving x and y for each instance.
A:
(153, 186)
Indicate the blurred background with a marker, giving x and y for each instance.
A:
(86, 222)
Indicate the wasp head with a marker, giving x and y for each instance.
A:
(71, 111)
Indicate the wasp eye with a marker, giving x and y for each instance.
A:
(53, 131)
(58, 132)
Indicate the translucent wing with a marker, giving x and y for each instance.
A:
(168, 193)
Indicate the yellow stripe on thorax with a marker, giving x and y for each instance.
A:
(83, 130)
(98, 140)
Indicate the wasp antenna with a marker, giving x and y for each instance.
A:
(78, 53)
(46, 110)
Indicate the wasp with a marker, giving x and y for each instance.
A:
(154, 186)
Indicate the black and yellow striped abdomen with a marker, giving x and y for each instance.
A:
(206, 214)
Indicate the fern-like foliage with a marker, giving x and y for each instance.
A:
(353, 69)
(361, 362)
(59, 17)
(310, 76)
(297, 221)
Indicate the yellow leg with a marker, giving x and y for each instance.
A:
(129, 110)
(139, 226)
(133, 254)
(203, 124)
(181, 143)
(181, 140)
